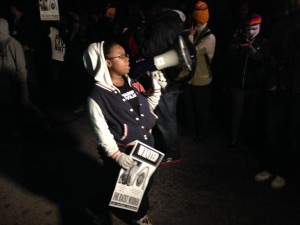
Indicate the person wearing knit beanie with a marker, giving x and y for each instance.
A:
(253, 19)
(197, 95)
(248, 57)
(110, 12)
(201, 17)
(201, 13)
(252, 25)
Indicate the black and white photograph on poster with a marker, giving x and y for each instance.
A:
(131, 184)
(49, 10)
(135, 176)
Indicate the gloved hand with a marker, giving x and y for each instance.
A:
(247, 48)
(124, 160)
(160, 78)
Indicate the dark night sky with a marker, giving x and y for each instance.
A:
(89, 5)
(219, 9)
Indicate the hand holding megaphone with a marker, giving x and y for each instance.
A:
(182, 54)
(160, 78)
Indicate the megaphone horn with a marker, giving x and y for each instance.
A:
(183, 54)
(167, 59)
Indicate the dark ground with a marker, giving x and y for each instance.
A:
(49, 178)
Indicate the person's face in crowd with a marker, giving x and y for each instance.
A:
(76, 24)
(14, 11)
(110, 14)
(253, 31)
(118, 61)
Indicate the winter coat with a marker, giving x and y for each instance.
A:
(247, 68)
(160, 33)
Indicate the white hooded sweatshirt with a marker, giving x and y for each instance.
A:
(95, 65)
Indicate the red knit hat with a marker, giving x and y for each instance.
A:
(253, 19)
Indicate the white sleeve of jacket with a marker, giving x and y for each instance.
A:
(105, 139)
(154, 98)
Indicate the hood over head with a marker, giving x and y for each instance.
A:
(181, 14)
(95, 64)
(4, 30)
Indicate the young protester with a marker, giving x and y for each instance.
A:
(120, 114)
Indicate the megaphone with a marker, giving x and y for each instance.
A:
(182, 54)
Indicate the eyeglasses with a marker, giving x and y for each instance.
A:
(122, 56)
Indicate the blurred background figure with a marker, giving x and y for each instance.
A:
(58, 50)
(75, 81)
(197, 95)
(158, 34)
(17, 110)
(247, 63)
(25, 28)
(278, 159)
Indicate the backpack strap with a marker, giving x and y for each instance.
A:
(202, 35)
(205, 32)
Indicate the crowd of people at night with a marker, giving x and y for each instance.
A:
(245, 79)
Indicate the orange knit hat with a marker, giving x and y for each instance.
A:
(111, 12)
(201, 13)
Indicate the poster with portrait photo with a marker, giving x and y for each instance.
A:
(49, 10)
(132, 183)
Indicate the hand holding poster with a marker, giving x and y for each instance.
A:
(131, 183)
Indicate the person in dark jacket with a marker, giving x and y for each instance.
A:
(15, 101)
(248, 57)
(25, 28)
(74, 76)
(278, 158)
(158, 34)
